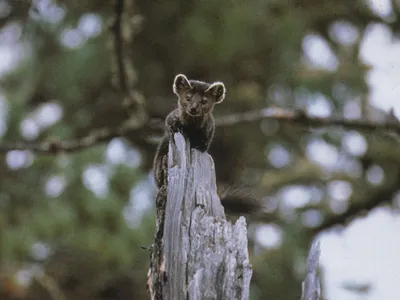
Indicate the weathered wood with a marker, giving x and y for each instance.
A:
(311, 285)
(197, 253)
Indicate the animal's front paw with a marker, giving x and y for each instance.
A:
(174, 129)
(201, 148)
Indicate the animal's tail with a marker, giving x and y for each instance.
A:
(239, 199)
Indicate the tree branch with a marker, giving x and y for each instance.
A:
(106, 134)
(51, 286)
(119, 46)
(123, 68)
(302, 171)
(299, 117)
(57, 147)
(370, 200)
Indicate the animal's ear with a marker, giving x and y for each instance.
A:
(218, 90)
(180, 83)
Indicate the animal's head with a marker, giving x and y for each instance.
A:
(197, 98)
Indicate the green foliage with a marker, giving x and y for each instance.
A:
(97, 208)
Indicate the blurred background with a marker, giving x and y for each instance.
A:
(85, 86)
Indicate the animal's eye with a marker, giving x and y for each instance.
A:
(204, 100)
(188, 96)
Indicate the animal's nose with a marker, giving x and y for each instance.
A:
(194, 110)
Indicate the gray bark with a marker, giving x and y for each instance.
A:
(311, 285)
(197, 253)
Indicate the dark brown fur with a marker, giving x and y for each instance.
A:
(193, 118)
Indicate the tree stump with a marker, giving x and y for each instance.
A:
(197, 253)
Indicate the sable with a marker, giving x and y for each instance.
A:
(193, 118)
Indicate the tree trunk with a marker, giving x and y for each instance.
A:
(197, 253)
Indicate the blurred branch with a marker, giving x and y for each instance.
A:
(51, 286)
(57, 147)
(106, 134)
(302, 172)
(299, 117)
(362, 202)
(20, 10)
(123, 33)
(119, 46)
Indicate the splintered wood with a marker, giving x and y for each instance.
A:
(197, 253)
